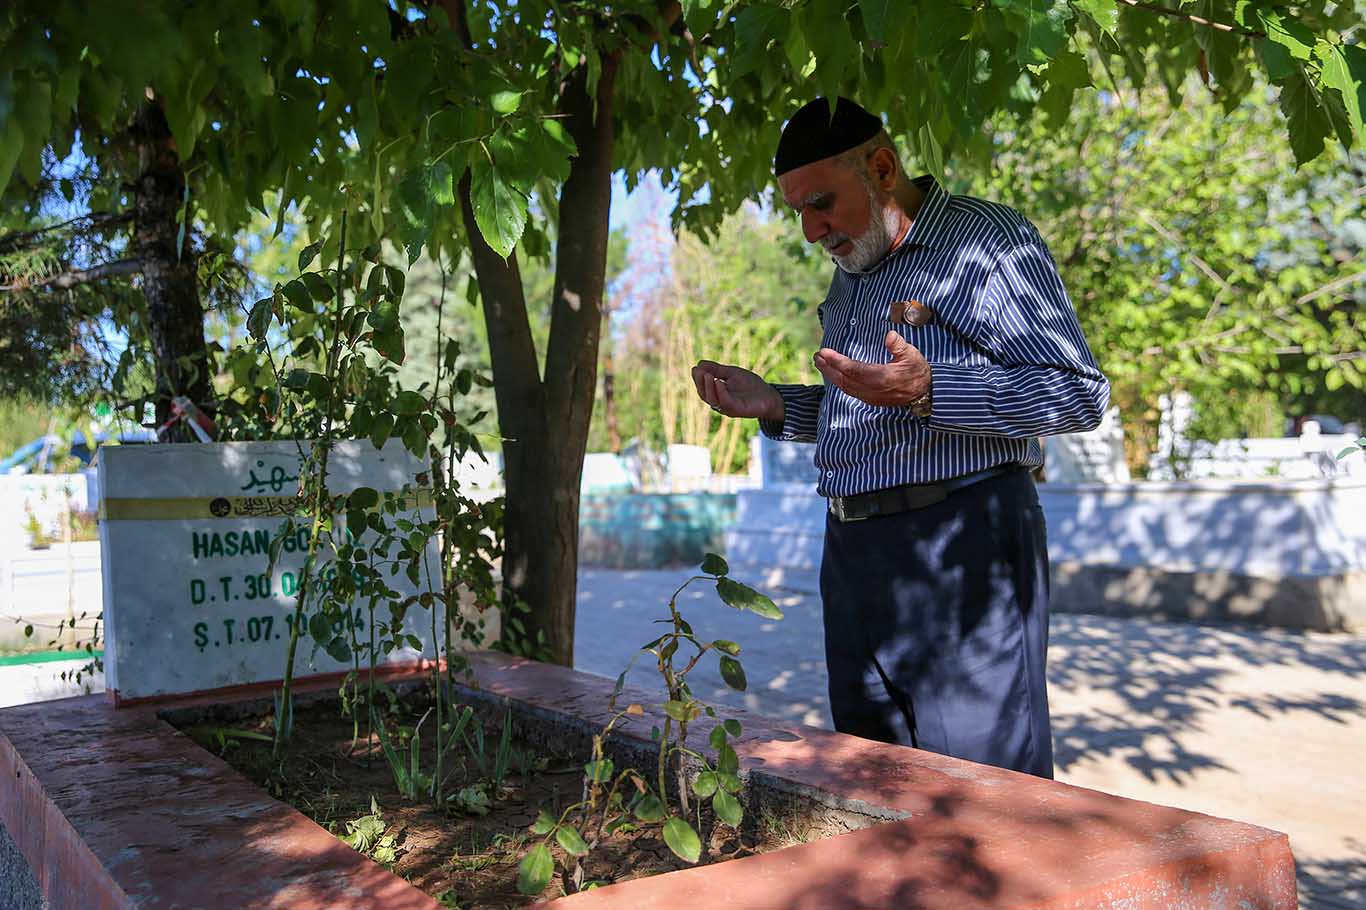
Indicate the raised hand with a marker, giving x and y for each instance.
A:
(736, 392)
(893, 384)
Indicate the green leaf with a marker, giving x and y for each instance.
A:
(389, 345)
(1104, 12)
(733, 674)
(318, 287)
(727, 760)
(704, 784)
(1297, 40)
(682, 839)
(679, 711)
(726, 647)
(506, 102)
(717, 737)
(714, 565)
(599, 772)
(570, 839)
(1279, 64)
(727, 808)
(535, 870)
(876, 14)
(499, 210)
(297, 293)
(380, 429)
(1069, 70)
(931, 153)
(319, 627)
(363, 498)
(743, 597)
(1308, 121)
(308, 254)
(339, 649)
(1344, 70)
(1043, 34)
(544, 823)
(949, 23)
(408, 402)
(649, 809)
(258, 321)
(733, 726)
(384, 316)
(421, 193)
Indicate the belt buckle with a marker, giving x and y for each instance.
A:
(843, 515)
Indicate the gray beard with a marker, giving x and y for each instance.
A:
(873, 243)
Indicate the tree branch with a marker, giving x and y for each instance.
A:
(67, 280)
(1193, 19)
(1171, 238)
(18, 239)
(1332, 286)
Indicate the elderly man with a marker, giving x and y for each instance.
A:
(949, 346)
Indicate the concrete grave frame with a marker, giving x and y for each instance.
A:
(113, 808)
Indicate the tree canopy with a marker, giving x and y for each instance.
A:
(487, 128)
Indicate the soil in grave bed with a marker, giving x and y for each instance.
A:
(460, 857)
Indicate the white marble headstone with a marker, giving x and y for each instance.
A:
(189, 604)
(1093, 457)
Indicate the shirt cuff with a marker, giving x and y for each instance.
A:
(801, 407)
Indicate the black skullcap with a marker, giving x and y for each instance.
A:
(813, 135)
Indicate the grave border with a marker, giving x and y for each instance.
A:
(111, 807)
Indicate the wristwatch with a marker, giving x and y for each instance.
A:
(921, 406)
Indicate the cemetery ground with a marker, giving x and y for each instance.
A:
(1259, 725)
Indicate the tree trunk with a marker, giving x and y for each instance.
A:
(545, 423)
(175, 316)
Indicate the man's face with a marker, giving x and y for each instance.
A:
(832, 202)
(843, 213)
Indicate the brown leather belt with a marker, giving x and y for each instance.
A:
(907, 496)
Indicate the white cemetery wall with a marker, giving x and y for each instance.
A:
(1289, 553)
(185, 532)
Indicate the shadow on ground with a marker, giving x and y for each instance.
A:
(1166, 678)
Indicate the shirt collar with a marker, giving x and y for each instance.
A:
(925, 227)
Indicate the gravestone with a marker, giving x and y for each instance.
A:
(1096, 456)
(191, 602)
(688, 466)
(787, 464)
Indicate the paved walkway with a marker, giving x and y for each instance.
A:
(1262, 726)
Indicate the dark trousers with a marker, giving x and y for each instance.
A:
(936, 626)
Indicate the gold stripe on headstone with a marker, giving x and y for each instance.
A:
(239, 507)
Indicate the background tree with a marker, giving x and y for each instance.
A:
(1199, 258)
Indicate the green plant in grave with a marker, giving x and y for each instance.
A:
(367, 835)
(615, 799)
(340, 338)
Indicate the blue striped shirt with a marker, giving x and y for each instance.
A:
(1007, 358)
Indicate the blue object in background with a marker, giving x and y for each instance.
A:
(38, 456)
(652, 530)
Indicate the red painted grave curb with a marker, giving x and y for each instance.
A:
(116, 809)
